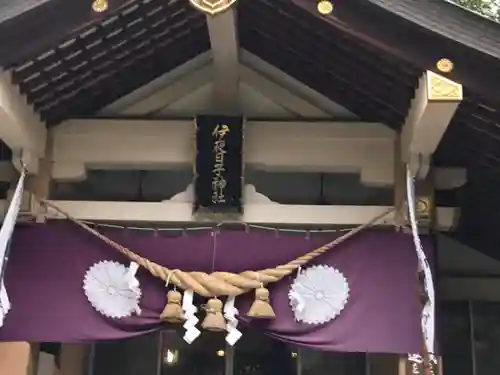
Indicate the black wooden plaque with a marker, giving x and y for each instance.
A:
(219, 164)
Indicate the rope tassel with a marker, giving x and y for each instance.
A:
(214, 321)
(172, 313)
(261, 308)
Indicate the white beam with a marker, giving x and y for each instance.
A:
(256, 213)
(334, 147)
(146, 144)
(20, 127)
(170, 93)
(295, 86)
(432, 108)
(176, 88)
(330, 147)
(127, 103)
(258, 209)
(280, 95)
(318, 146)
(225, 46)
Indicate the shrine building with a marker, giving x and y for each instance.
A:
(249, 187)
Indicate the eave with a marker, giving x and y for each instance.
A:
(37, 28)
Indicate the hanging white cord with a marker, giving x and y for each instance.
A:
(209, 228)
(427, 317)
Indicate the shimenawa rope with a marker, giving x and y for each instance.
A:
(218, 283)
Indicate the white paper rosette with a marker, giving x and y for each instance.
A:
(112, 289)
(318, 294)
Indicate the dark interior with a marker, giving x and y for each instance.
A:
(166, 353)
(469, 340)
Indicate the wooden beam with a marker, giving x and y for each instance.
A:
(328, 147)
(295, 86)
(159, 92)
(20, 127)
(225, 46)
(279, 95)
(432, 108)
(40, 183)
(254, 213)
(170, 93)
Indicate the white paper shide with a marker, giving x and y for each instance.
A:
(112, 289)
(318, 294)
(6, 231)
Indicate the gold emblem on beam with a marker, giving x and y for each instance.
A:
(440, 88)
(212, 7)
(424, 209)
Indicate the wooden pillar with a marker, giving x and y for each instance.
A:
(73, 359)
(18, 358)
(399, 186)
(46, 364)
(40, 183)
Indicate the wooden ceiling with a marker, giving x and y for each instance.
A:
(367, 58)
(369, 82)
(111, 58)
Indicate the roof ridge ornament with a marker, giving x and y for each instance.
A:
(212, 7)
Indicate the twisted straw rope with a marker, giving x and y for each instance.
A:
(218, 283)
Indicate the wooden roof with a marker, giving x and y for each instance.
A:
(369, 82)
(366, 57)
(111, 58)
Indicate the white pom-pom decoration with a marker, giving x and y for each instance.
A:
(318, 294)
(112, 289)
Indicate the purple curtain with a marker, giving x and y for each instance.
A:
(48, 262)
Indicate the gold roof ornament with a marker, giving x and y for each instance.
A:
(325, 7)
(444, 65)
(212, 7)
(100, 6)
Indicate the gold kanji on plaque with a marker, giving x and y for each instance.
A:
(212, 7)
